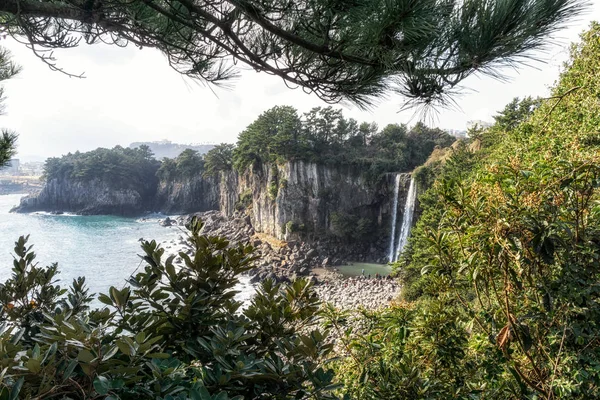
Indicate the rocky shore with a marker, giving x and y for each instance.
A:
(358, 292)
(284, 261)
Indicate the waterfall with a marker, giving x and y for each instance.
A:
(407, 217)
(394, 215)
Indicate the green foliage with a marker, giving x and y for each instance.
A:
(119, 168)
(8, 144)
(189, 163)
(294, 227)
(175, 333)
(8, 139)
(503, 267)
(273, 190)
(516, 112)
(350, 227)
(186, 165)
(324, 136)
(274, 136)
(340, 50)
(273, 187)
(244, 201)
(219, 158)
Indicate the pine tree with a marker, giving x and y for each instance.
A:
(356, 50)
(8, 139)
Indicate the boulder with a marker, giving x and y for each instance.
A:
(167, 222)
(311, 254)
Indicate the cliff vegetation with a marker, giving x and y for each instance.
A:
(502, 276)
(118, 168)
(324, 136)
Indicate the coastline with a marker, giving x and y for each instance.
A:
(331, 286)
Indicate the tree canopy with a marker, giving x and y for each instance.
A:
(119, 167)
(186, 165)
(516, 112)
(338, 49)
(219, 158)
(323, 135)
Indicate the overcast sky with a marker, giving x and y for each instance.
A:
(132, 95)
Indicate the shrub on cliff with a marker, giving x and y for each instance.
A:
(175, 333)
(351, 227)
(503, 268)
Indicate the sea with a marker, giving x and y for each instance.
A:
(104, 249)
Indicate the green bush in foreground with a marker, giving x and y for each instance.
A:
(174, 333)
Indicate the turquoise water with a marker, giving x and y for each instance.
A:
(356, 269)
(104, 249)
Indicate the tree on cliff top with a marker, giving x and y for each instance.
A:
(219, 158)
(338, 49)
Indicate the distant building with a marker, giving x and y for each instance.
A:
(479, 123)
(457, 133)
(12, 168)
(166, 148)
(32, 168)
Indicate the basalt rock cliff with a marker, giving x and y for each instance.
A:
(181, 196)
(290, 201)
(309, 200)
(86, 198)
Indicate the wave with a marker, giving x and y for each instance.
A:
(53, 214)
(155, 217)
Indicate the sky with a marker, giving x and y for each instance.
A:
(131, 94)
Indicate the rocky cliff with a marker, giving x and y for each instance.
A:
(185, 196)
(95, 197)
(293, 201)
(310, 200)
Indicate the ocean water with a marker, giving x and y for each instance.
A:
(104, 249)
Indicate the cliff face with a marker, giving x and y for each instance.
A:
(294, 200)
(306, 197)
(185, 196)
(95, 197)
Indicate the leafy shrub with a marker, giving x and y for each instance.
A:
(294, 227)
(502, 269)
(351, 227)
(174, 333)
(273, 190)
(245, 200)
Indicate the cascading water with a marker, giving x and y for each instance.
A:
(394, 215)
(407, 217)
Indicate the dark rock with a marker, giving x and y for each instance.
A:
(311, 254)
(167, 222)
